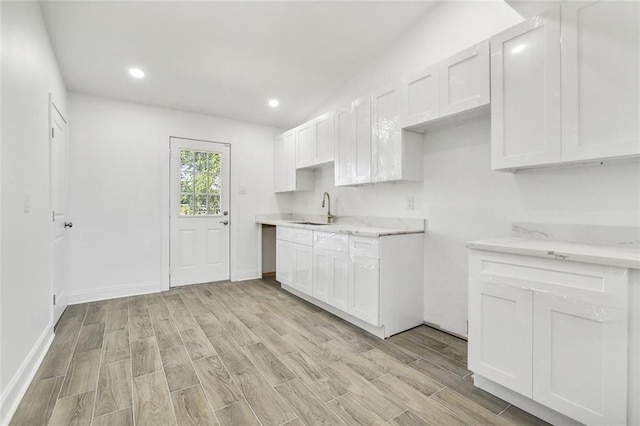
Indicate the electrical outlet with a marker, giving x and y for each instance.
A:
(409, 203)
(27, 203)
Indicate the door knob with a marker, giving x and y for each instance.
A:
(224, 222)
(68, 224)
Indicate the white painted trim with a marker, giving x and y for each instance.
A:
(247, 274)
(125, 290)
(21, 380)
(521, 401)
(376, 331)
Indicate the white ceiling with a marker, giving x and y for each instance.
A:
(223, 58)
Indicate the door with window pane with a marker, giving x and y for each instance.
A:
(200, 217)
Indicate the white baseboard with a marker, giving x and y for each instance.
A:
(20, 381)
(248, 274)
(134, 289)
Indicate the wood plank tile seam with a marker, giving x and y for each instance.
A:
(248, 353)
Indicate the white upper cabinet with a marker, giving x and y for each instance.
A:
(343, 165)
(353, 143)
(315, 141)
(525, 93)
(565, 86)
(305, 144)
(396, 153)
(286, 177)
(325, 133)
(600, 114)
(455, 85)
(362, 140)
(464, 80)
(421, 97)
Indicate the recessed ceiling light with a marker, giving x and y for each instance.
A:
(136, 73)
(273, 103)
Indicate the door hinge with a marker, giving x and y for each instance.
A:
(53, 216)
(467, 327)
(54, 299)
(53, 134)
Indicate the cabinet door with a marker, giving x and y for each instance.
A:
(302, 268)
(344, 142)
(284, 262)
(279, 165)
(500, 334)
(600, 113)
(525, 93)
(361, 147)
(580, 359)
(387, 147)
(421, 97)
(464, 80)
(305, 144)
(364, 289)
(331, 277)
(325, 134)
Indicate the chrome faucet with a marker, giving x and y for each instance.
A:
(329, 215)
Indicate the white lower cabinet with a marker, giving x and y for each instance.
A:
(580, 356)
(343, 274)
(503, 322)
(284, 261)
(553, 331)
(302, 268)
(364, 289)
(331, 277)
(294, 259)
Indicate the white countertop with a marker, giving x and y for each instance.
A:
(626, 257)
(368, 227)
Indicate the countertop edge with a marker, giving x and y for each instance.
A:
(343, 228)
(617, 261)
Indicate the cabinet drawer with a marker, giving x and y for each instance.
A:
(600, 284)
(295, 235)
(331, 241)
(364, 247)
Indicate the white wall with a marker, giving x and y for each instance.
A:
(119, 192)
(461, 197)
(29, 74)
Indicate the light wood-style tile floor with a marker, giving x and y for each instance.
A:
(243, 354)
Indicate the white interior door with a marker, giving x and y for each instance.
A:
(200, 218)
(59, 190)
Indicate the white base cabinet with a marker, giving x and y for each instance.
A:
(374, 283)
(294, 258)
(553, 331)
(331, 277)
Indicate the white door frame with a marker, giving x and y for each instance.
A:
(52, 105)
(166, 214)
